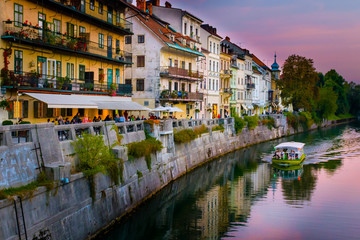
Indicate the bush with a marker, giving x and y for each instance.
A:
(306, 120)
(25, 122)
(96, 157)
(218, 128)
(292, 120)
(200, 130)
(239, 124)
(144, 148)
(269, 122)
(252, 121)
(7, 122)
(184, 136)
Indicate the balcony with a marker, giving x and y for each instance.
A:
(44, 38)
(250, 86)
(180, 73)
(226, 91)
(83, 12)
(35, 82)
(181, 96)
(226, 73)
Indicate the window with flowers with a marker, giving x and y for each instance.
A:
(18, 61)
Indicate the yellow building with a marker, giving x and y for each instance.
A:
(63, 47)
(225, 76)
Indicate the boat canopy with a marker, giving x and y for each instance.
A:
(296, 145)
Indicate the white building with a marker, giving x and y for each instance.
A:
(210, 41)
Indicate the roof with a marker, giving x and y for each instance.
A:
(160, 30)
(212, 33)
(297, 145)
(258, 61)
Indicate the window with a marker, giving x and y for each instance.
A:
(217, 85)
(204, 83)
(117, 18)
(81, 72)
(210, 46)
(18, 62)
(18, 15)
(19, 109)
(101, 40)
(109, 14)
(170, 83)
(101, 6)
(57, 26)
(128, 82)
(170, 62)
(146, 103)
(139, 84)
(183, 64)
(213, 84)
(101, 75)
(217, 66)
(140, 61)
(191, 31)
(218, 49)
(82, 29)
(70, 70)
(58, 68)
(71, 29)
(210, 66)
(127, 39)
(117, 46)
(185, 27)
(141, 38)
(176, 86)
(196, 30)
(92, 5)
(214, 66)
(214, 49)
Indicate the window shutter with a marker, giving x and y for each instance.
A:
(25, 109)
(36, 109)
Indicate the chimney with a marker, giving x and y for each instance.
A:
(155, 2)
(141, 4)
(149, 7)
(215, 30)
(227, 38)
(167, 4)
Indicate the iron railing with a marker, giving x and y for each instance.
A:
(181, 73)
(34, 35)
(181, 96)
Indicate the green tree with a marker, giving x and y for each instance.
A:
(340, 86)
(298, 82)
(327, 102)
(354, 98)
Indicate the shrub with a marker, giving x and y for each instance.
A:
(200, 130)
(292, 120)
(306, 120)
(218, 128)
(184, 136)
(252, 121)
(25, 122)
(144, 148)
(269, 122)
(239, 124)
(7, 122)
(96, 157)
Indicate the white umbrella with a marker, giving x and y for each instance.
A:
(175, 109)
(160, 109)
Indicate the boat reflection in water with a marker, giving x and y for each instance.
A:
(288, 172)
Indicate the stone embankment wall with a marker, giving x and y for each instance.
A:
(68, 211)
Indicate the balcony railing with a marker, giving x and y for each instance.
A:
(180, 73)
(226, 90)
(35, 81)
(40, 37)
(250, 85)
(174, 95)
(104, 20)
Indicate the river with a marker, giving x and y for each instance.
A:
(241, 196)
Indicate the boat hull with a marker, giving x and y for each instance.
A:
(285, 162)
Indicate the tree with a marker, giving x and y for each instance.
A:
(327, 106)
(341, 88)
(298, 83)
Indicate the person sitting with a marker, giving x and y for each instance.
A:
(292, 155)
(67, 121)
(99, 119)
(117, 118)
(122, 118)
(137, 118)
(60, 120)
(20, 120)
(86, 119)
(94, 119)
(107, 118)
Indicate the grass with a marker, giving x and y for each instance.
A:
(27, 190)
(340, 116)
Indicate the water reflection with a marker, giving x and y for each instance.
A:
(240, 196)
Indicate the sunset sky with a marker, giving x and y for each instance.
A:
(327, 31)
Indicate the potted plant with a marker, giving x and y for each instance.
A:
(112, 90)
(34, 78)
(88, 86)
(8, 21)
(6, 104)
(197, 110)
(67, 83)
(174, 94)
(25, 23)
(60, 82)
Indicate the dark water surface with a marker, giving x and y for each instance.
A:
(241, 196)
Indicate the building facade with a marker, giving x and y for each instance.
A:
(62, 47)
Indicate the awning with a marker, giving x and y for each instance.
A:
(122, 105)
(250, 106)
(244, 107)
(88, 101)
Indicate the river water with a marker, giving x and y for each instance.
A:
(241, 196)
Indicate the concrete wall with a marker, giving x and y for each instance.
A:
(68, 211)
